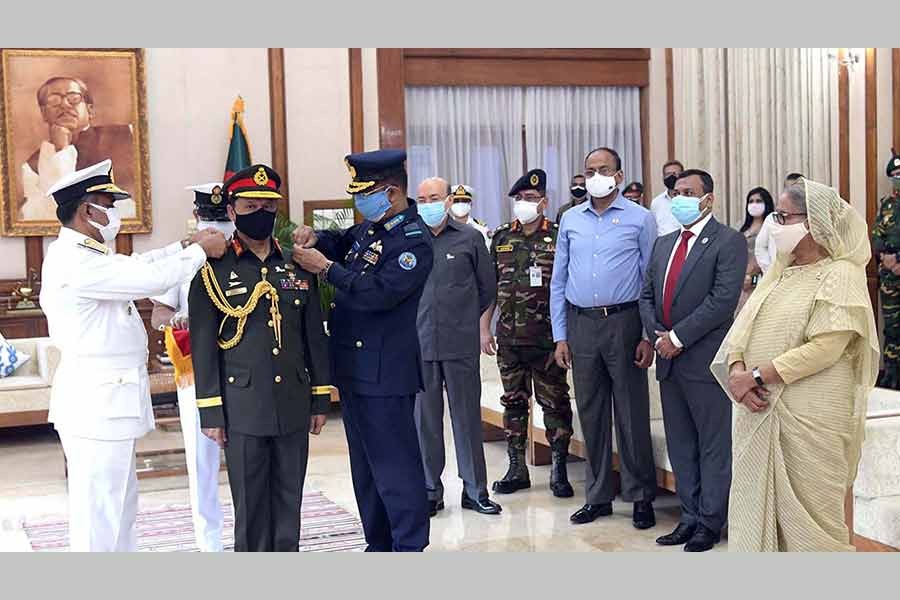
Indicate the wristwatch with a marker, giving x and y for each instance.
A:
(324, 272)
(757, 376)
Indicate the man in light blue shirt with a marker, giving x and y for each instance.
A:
(603, 249)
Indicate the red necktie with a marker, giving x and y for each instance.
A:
(672, 277)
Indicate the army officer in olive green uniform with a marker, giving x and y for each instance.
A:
(261, 368)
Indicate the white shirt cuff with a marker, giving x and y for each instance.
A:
(675, 341)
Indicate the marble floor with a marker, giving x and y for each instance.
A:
(32, 485)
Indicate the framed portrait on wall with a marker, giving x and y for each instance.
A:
(63, 110)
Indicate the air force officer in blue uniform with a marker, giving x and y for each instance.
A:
(378, 269)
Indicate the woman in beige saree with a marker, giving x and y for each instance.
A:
(800, 361)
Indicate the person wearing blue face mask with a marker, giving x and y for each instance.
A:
(460, 288)
(690, 293)
(379, 269)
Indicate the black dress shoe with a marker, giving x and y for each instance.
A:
(703, 539)
(644, 517)
(485, 505)
(589, 512)
(434, 506)
(680, 536)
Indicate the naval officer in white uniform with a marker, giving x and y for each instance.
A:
(100, 399)
(202, 455)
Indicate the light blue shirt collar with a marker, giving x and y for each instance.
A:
(620, 203)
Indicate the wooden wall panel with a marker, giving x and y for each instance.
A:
(278, 125)
(391, 98)
(356, 100)
(843, 127)
(514, 71)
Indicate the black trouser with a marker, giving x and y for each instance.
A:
(266, 476)
(607, 379)
(697, 418)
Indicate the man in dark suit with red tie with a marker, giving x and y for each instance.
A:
(690, 293)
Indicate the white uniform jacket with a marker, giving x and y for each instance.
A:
(101, 389)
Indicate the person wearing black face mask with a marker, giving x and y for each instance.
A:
(261, 366)
(661, 206)
(578, 193)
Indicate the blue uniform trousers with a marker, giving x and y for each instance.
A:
(386, 466)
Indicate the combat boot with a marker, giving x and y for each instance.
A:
(516, 477)
(559, 476)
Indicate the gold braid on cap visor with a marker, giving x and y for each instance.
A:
(220, 301)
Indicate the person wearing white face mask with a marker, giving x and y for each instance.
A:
(523, 253)
(801, 360)
(461, 211)
(170, 313)
(602, 253)
(759, 207)
(100, 400)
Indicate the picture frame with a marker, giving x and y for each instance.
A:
(63, 110)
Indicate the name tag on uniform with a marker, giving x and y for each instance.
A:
(236, 291)
(505, 248)
(534, 274)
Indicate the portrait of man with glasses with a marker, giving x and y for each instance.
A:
(72, 142)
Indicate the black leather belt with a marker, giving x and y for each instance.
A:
(605, 311)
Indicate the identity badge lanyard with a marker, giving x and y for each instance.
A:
(534, 271)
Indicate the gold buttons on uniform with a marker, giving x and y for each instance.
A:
(359, 343)
(269, 323)
(264, 270)
(296, 301)
(231, 380)
(275, 351)
(278, 379)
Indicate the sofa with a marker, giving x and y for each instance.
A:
(25, 395)
(876, 492)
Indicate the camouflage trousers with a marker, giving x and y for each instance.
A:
(890, 310)
(523, 368)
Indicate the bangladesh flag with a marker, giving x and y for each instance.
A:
(238, 147)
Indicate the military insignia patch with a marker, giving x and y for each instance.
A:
(92, 244)
(279, 269)
(534, 180)
(395, 221)
(260, 177)
(407, 261)
(216, 196)
(233, 276)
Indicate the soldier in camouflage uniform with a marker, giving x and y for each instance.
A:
(523, 253)
(886, 245)
(578, 192)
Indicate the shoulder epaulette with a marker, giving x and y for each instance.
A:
(482, 223)
(94, 246)
(501, 228)
(412, 230)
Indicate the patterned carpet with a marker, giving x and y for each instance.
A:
(326, 527)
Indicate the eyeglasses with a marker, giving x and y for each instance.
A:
(782, 217)
(73, 98)
(605, 171)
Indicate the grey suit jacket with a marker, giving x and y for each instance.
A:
(706, 297)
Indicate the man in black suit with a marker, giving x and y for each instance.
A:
(73, 142)
(690, 293)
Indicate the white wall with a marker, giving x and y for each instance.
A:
(371, 127)
(659, 123)
(317, 91)
(189, 94)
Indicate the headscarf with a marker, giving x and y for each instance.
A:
(841, 231)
